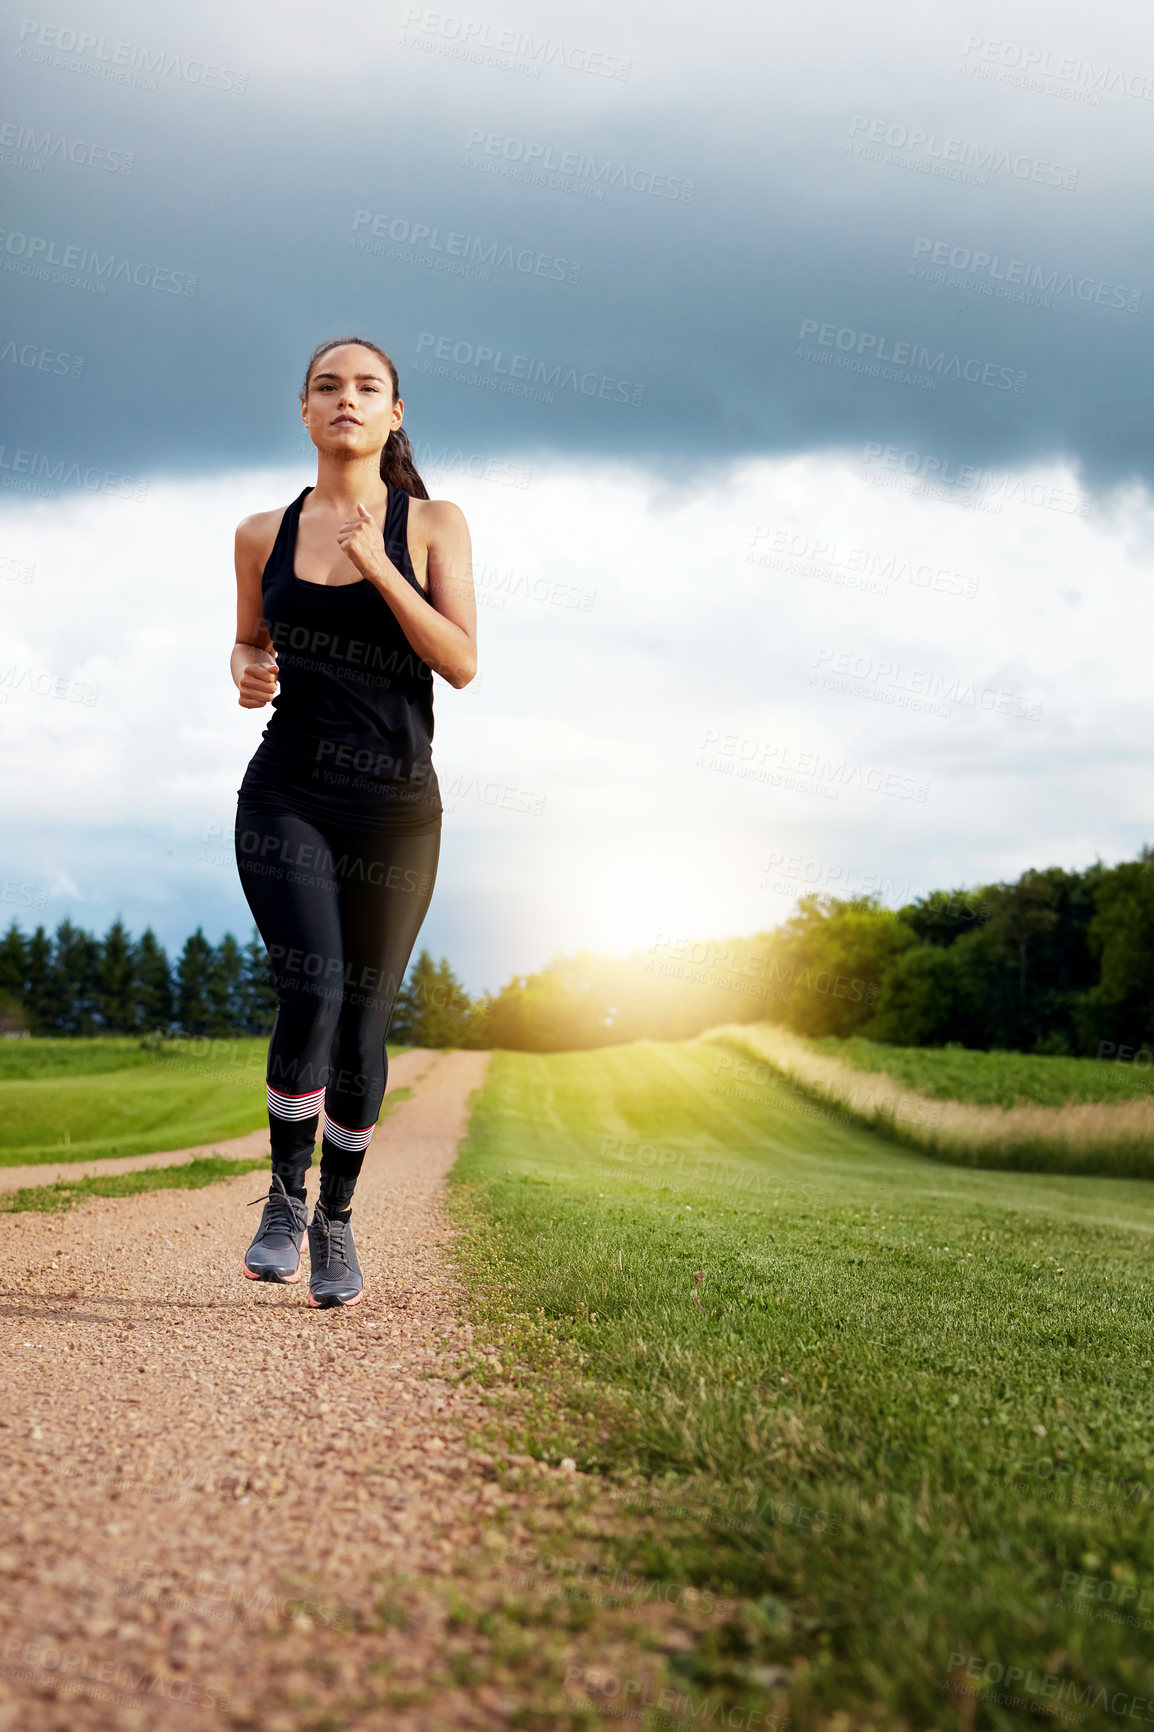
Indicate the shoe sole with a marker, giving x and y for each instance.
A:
(272, 1275)
(330, 1304)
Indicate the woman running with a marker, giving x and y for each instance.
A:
(350, 597)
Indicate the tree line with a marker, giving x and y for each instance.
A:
(1053, 962)
(73, 983)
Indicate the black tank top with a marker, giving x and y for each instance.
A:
(350, 736)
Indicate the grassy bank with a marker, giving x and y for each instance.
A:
(899, 1411)
(999, 1079)
(81, 1100)
(184, 1176)
(983, 1109)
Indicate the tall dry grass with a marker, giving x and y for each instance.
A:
(1084, 1137)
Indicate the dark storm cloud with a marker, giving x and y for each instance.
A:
(926, 261)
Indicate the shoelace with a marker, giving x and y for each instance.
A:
(280, 1217)
(334, 1234)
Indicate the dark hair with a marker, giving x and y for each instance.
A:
(397, 466)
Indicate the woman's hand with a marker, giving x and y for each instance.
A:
(255, 674)
(361, 539)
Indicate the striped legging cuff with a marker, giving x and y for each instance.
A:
(295, 1106)
(342, 1137)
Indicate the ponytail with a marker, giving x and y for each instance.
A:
(397, 466)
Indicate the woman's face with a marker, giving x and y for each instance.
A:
(349, 410)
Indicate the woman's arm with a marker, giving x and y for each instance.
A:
(442, 629)
(253, 660)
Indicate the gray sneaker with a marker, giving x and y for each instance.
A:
(275, 1253)
(335, 1276)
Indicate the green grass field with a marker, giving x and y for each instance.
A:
(66, 1193)
(30, 1059)
(902, 1411)
(994, 1078)
(81, 1100)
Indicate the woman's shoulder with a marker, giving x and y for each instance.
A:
(257, 532)
(259, 524)
(435, 514)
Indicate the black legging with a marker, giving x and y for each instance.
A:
(339, 910)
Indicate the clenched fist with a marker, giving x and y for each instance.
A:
(361, 539)
(255, 673)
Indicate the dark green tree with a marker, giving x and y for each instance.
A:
(155, 1001)
(194, 1007)
(1119, 1007)
(257, 988)
(923, 999)
(432, 1008)
(477, 1031)
(223, 989)
(830, 959)
(14, 965)
(37, 970)
(116, 992)
(72, 987)
(944, 916)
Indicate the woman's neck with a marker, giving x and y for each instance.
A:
(339, 484)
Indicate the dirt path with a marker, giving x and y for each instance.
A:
(190, 1465)
(404, 1070)
(221, 1511)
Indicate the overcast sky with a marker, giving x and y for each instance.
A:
(792, 371)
